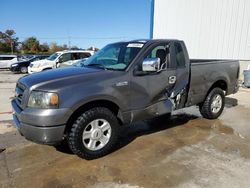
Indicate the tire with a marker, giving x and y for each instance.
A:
(211, 108)
(23, 70)
(97, 141)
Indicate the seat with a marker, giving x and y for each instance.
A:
(168, 56)
(161, 53)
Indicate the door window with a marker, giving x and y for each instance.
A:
(162, 52)
(156, 53)
(84, 55)
(65, 57)
(75, 56)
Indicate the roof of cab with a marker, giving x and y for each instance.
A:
(150, 40)
(154, 40)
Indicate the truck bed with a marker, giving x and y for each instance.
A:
(206, 72)
(205, 61)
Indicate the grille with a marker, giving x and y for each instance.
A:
(19, 94)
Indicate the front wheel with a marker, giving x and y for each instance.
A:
(94, 133)
(213, 105)
(23, 70)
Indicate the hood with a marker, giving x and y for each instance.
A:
(62, 75)
(40, 62)
(22, 62)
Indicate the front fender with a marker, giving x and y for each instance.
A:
(89, 99)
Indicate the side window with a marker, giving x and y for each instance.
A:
(6, 58)
(75, 56)
(179, 54)
(162, 52)
(65, 57)
(84, 55)
(157, 51)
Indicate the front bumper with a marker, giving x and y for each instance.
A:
(44, 126)
(15, 69)
(33, 70)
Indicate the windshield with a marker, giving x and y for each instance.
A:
(34, 59)
(53, 56)
(114, 56)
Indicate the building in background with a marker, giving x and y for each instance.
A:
(217, 29)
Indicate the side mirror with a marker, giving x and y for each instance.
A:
(60, 59)
(57, 63)
(151, 65)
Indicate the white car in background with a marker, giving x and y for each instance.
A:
(7, 60)
(59, 59)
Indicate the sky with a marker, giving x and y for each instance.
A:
(84, 23)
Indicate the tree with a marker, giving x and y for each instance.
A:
(74, 48)
(44, 48)
(54, 47)
(8, 41)
(93, 49)
(31, 45)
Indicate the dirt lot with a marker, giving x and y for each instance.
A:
(184, 151)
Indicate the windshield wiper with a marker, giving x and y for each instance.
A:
(98, 65)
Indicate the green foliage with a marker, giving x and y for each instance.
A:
(93, 48)
(54, 47)
(30, 45)
(9, 43)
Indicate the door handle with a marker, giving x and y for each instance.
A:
(171, 79)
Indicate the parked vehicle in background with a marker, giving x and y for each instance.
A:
(28, 56)
(123, 83)
(22, 66)
(59, 59)
(80, 62)
(7, 60)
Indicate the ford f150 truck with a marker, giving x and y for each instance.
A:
(122, 83)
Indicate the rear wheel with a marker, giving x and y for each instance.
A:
(94, 133)
(214, 104)
(23, 70)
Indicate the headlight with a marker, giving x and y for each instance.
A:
(39, 99)
(14, 65)
(35, 65)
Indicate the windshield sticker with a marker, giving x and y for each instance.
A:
(135, 45)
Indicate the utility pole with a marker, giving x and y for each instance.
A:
(69, 43)
(12, 47)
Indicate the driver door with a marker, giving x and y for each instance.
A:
(64, 60)
(153, 87)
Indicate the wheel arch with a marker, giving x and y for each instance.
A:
(222, 84)
(113, 107)
(48, 68)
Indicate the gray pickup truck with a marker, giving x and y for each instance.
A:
(122, 83)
